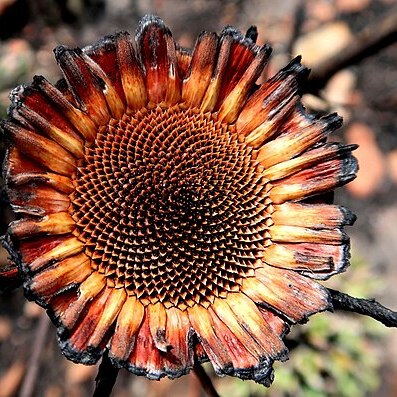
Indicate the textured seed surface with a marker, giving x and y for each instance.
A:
(171, 207)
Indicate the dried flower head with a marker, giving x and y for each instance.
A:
(170, 209)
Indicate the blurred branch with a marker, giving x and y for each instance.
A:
(369, 41)
(205, 380)
(299, 19)
(106, 378)
(367, 307)
(28, 385)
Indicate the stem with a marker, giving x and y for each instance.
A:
(28, 385)
(367, 307)
(106, 377)
(205, 380)
(299, 19)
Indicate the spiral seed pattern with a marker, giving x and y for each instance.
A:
(171, 206)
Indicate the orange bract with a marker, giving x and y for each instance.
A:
(170, 209)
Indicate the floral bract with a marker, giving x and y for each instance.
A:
(170, 209)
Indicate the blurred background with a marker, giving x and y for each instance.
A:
(334, 354)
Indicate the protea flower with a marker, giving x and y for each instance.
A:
(170, 209)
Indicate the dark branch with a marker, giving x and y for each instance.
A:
(30, 379)
(299, 19)
(369, 41)
(367, 307)
(106, 378)
(205, 380)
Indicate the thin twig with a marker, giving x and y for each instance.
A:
(369, 41)
(299, 19)
(367, 307)
(28, 385)
(205, 380)
(106, 377)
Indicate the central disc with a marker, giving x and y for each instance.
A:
(171, 207)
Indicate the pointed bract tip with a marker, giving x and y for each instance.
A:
(351, 147)
(38, 80)
(106, 43)
(252, 33)
(88, 357)
(349, 216)
(121, 34)
(333, 121)
(296, 68)
(349, 170)
(17, 95)
(247, 41)
(60, 50)
(266, 49)
(233, 32)
(146, 22)
(264, 374)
